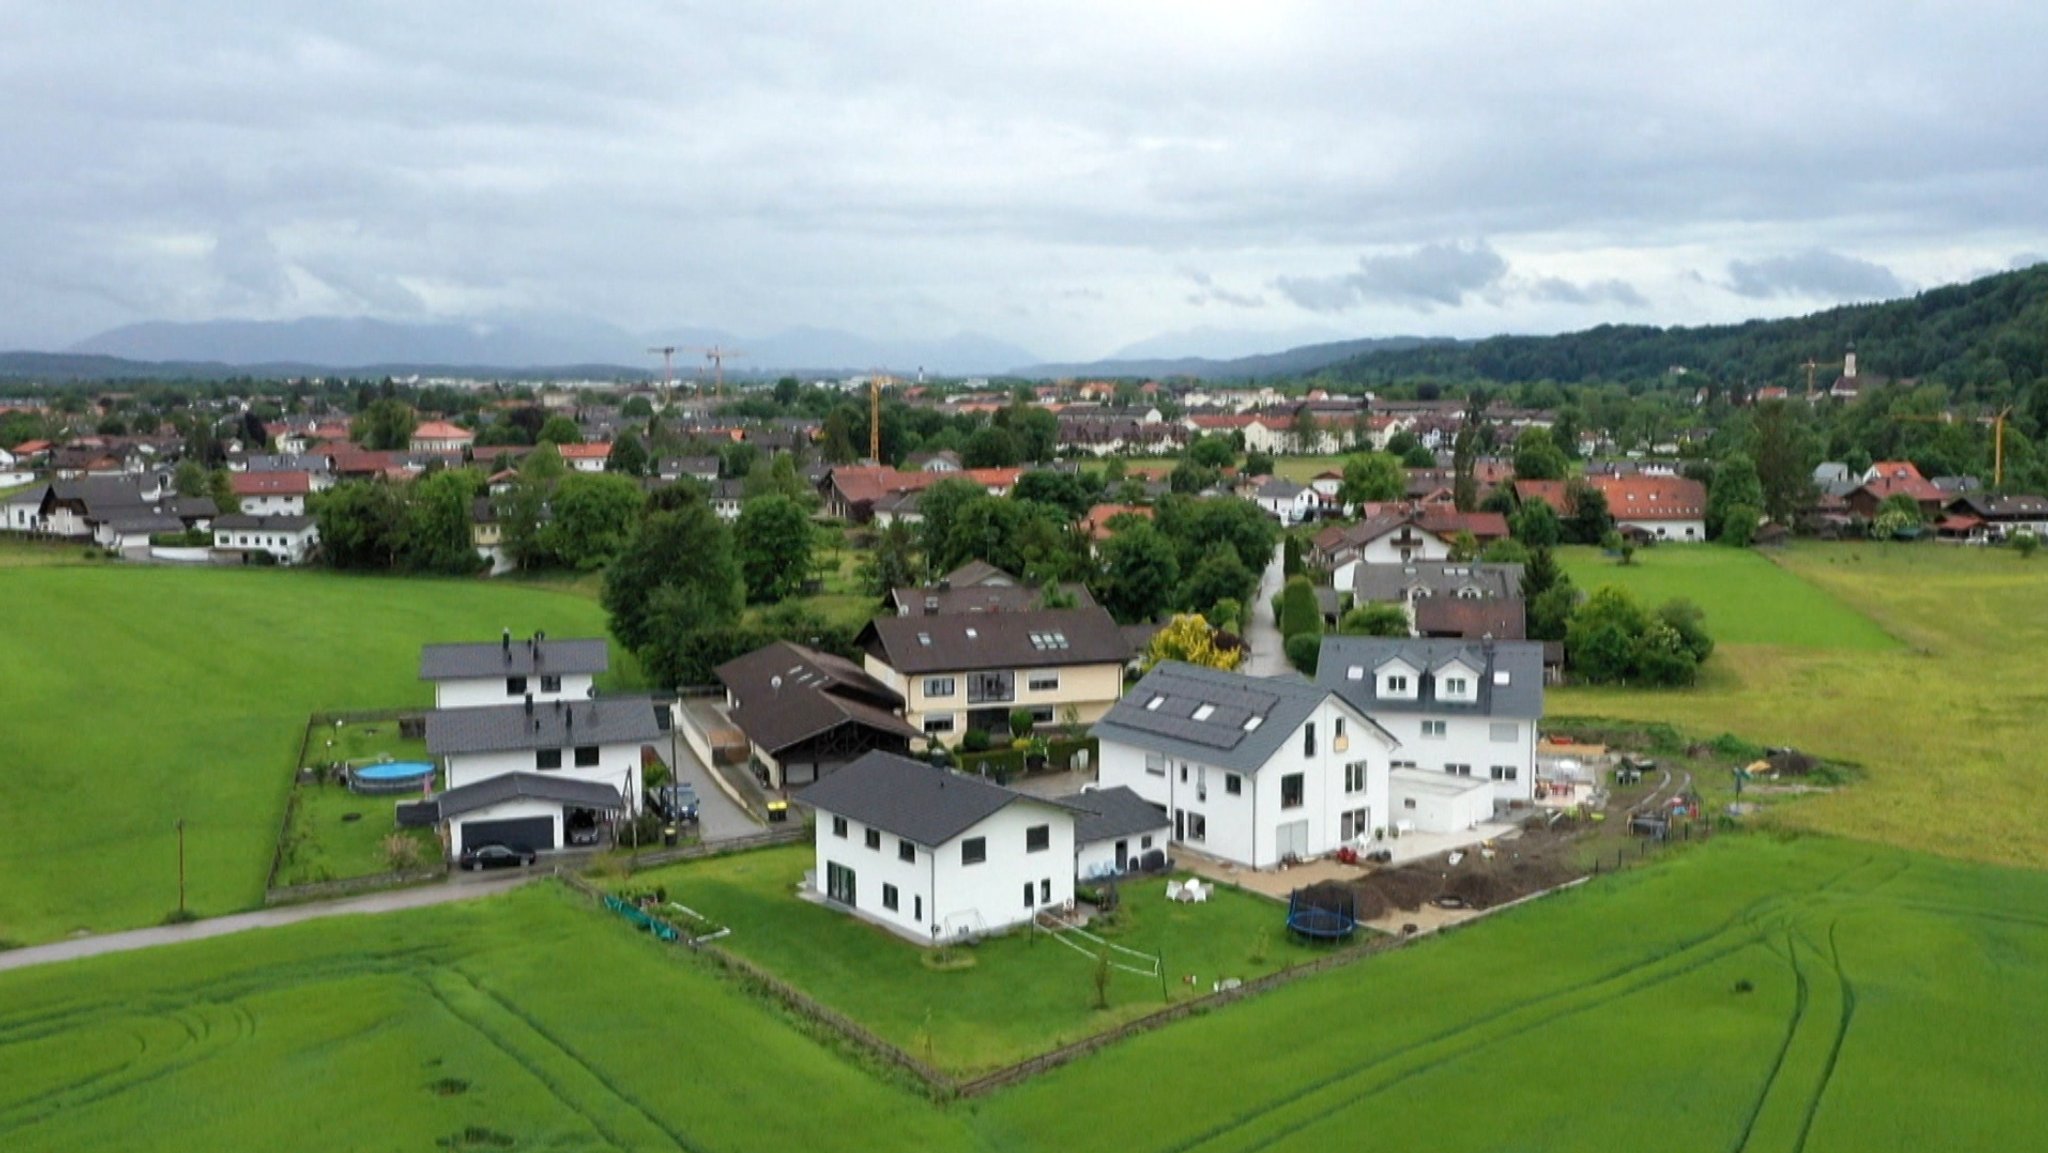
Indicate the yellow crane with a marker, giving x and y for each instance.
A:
(876, 383)
(1997, 438)
(716, 355)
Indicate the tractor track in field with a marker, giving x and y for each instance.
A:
(1802, 995)
(1827, 1075)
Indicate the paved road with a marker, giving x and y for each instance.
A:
(458, 888)
(1262, 632)
(718, 817)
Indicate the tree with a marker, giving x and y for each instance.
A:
(1139, 571)
(522, 515)
(190, 479)
(1063, 490)
(677, 577)
(1739, 524)
(1785, 457)
(942, 506)
(1304, 651)
(892, 563)
(385, 426)
(1589, 522)
(1418, 456)
(559, 430)
(774, 537)
(1300, 612)
(544, 464)
(1372, 478)
(1687, 620)
(1537, 456)
(594, 518)
(1535, 524)
(990, 447)
(637, 407)
(1306, 432)
(1188, 637)
(1550, 612)
(362, 525)
(2024, 543)
(1212, 452)
(1509, 551)
(1375, 619)
(1601, 640)
(1734, 484)
(437, 534)
(1188, 478)
(1464, 547)
(1219, 576)
(1257, 464)
(628, 456)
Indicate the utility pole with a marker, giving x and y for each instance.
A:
(181, 868)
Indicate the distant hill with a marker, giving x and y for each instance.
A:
(1984, 332)
(61, 367)
(1292, 362)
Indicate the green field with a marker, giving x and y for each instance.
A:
(1756, 993)
(1747, 599)
(140, 696)
(1949, 724)
(1021, 995)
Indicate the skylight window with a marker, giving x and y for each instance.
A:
(924, 639)
(1355, 673)
(1251, 724)
(1152, 706)
(1204, 712)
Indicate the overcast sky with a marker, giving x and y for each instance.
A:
(1071, 178)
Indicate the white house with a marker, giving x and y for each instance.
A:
(1256, 771)
(22, 512)
(271, 493)
(289, 539)
(934, 855)
(1289, 502)
(511, 671)
(585, 754)
(1458, 707)
(1116, 831)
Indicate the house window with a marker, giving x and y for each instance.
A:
(839, 883)
(1456, 686)
(1204, 712)
(1407, 802)
(1045, 891)
(1038, 838)
(875, 839)
(1503, 732)
(1030, 894)
(1353, 824)
(545, 759)
(917, 908)
(1397, 686)
(586, 756)
(974, 850)
(939, 723)
(1504, 772)
(551, 684)
(905, 851)
(938, 686)
(1433, 730)
(1292, 793)
(1044, 682)
(514, 686)
(1458, 770)
(1155, 764)
(1233, 784)
(1041, 716)
(1198, 827)
(1145, 842)
(1338, 731)
(889, 897)
(1183, 773)
(1308, 739)
(839, 826)
(1354, 777)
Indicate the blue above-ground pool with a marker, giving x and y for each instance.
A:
(391, 777)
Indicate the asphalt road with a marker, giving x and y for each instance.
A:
(719, 818)
(1262, 632)
(459, 887)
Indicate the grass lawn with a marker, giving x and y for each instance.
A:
(1022, 995)
(524, 1022)
(1949, 724)
(1759, 993)
(21, 552)
(139, 696)
(1747, 599)
(334, 833)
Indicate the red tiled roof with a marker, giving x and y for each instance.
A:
(442, 430)
(1914, 486)
(1895, 470)
(584, 451)
(1004, 478)
(1653, 497)
(1448, 523)
(270, 483)
(865, 485)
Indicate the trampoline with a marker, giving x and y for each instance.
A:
(391, 777)
(1322, 914)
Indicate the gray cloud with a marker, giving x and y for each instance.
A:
(1425, 278)
(1815, 273)
(1558, 290)
(1207, 291)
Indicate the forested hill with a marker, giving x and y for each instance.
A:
(1986, 337)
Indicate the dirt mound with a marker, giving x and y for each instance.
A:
(1521, 866)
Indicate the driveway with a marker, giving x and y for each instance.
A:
(458, 888)
(719, 817)
(1262, 632)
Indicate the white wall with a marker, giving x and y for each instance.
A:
(472, 693)
(617, 766)
(510, 810)
(1469, 741)
(289, 547)
(1423, 799)
(273, 504)
(1246, 828)
(1675, 530)
(1094, 859)
(988, 896)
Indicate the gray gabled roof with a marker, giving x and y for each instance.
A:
(1510, 674)
(1106, 814)
(521, 657)
(1040, 638)
(553, 724)
(1396, 582)
(1244, 720)
(913, 800)
(529, 786)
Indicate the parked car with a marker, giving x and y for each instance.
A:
(495, 856)
(675, 802)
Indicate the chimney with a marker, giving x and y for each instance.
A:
(529, 704)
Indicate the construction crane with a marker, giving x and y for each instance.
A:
(876, 383)
(668, 372)
(716, 355)
(1997, 438)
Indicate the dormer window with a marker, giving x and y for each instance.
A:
(1457, 687)
(1396, 685)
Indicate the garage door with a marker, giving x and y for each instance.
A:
(523, 833)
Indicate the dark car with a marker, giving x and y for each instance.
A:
(495, 856)
(676, 802)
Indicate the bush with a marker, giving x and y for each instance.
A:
(1020, 723)
(1303, 651)
(974, 741)
(403, 852)
(1299, 611)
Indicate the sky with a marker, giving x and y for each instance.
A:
(1074, 178)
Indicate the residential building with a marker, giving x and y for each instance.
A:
(440, 438)
(1286, 501)
(1889, 478)
(937, 856)
(286, 539)
(970, 670)
(1458, 707)
(513, 670)
(1982, 517)
(1251, 770)
(1116, 831)
(806, 713)
(978, 587)
(1654, 507)
(596, 744)
(585, 457)
(271, 493)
